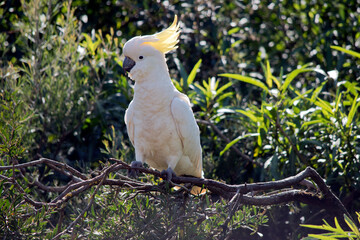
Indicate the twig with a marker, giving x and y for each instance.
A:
(50, 163)
(227, 140)
(104, 175)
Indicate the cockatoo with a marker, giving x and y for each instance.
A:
(159, 120)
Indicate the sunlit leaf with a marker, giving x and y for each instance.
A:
(317, 91)
(352, 225)
(290, 77)
(245, 79)
(350, 52)
(324, 105)
(230, 144)
(355, 105)
(248, 114)
(268, 75)
(193, 72)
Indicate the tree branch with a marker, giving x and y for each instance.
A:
(259, 194)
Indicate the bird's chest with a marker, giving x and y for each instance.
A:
(154, 127)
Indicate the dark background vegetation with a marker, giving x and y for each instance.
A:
(62, 88)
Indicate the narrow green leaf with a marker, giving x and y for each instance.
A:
(93, 211)
(352, 225)
(353, 110)
(226, 86)
(181, 68)
(230, 144)
(233, 30)
(276, 81)
(245, 79)
(324, 105)
(225, 95)
(274, 164)
(321, 237)
(193, 72)
(268, 75)
(338, 228)
(350, 52)
(118, 61)
(311, 123)
(290, 77)
(202, 89)
(248, 114)
(351, 87)
(338, 102)
(317, 91)
(177, 85)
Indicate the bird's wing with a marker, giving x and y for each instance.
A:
(188, 131)
(129, 123)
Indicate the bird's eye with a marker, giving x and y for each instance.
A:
(141, 57)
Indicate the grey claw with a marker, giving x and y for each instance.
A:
(134, 173)
(168, 174)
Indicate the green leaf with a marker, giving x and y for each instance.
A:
(230, 144)
(202, 89)
(351, 87)
(248, 114)
(118, 61)
(226, 86)
(338, 228)
(93, 211)
(181, 69)
(268, 74)
(193, 72)
(324, 106)
(338, 102)
(225, 95)
(317, 91)
(322, 237)
(290, 77)
(350, 52)
(353, 110)
(233, 30)
(245, 79)
(312, 122)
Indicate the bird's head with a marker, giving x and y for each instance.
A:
(145, 54)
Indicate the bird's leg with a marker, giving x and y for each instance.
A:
(168, 174)
(134, 173)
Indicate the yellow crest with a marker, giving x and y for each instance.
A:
(167, 39)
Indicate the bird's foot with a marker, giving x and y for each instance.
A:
(168, 174)
(133, 172)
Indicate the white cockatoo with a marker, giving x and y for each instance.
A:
(159, 119)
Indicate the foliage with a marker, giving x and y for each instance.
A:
(167, 215)
(337, 232)
(297, 127)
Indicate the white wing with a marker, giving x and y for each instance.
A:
(188, 132)
(129, 123)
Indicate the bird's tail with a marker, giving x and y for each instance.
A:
(195, 190)
(198, 190)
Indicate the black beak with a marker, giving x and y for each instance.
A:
(128, 64)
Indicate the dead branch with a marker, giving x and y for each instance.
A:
(283, 191)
